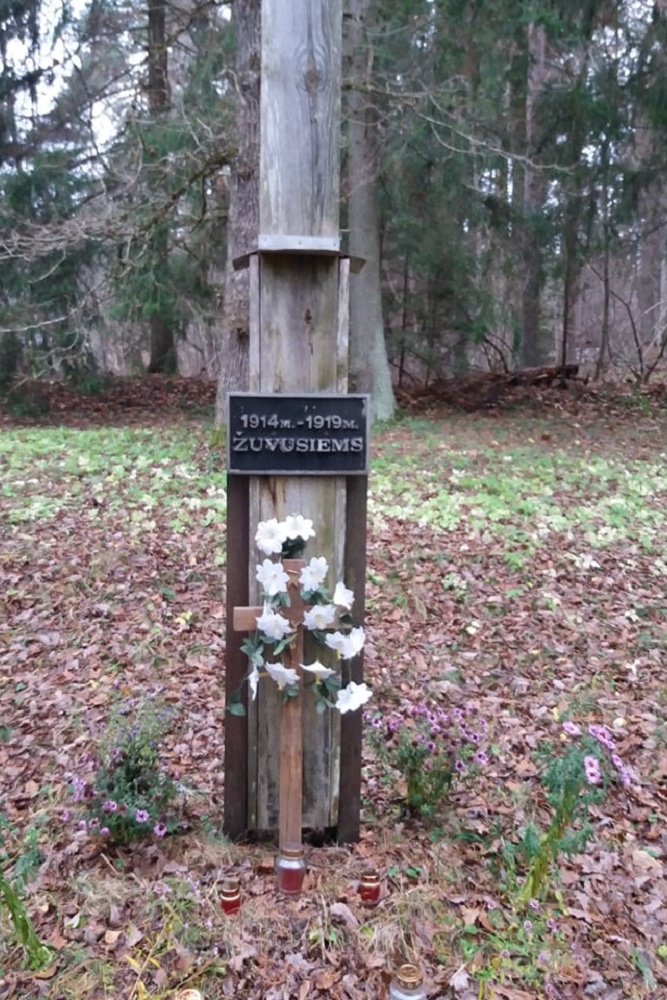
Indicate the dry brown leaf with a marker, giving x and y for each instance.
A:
(325, 978)
(244, 953)
(342, 913)
(47, 973)
(304, 990)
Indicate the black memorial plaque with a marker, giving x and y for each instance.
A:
(307, 435)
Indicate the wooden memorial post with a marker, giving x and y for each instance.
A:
(297, 443)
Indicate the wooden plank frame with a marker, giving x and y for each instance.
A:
(235, 825)
(351, 724)
(237, 772)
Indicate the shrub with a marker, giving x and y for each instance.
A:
(430, 749)
(130, 794)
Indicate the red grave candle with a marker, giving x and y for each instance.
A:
(230, 898)
(291, 869)
(369, 888)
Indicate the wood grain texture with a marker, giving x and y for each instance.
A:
(251, 551)
(349, 804)
(236, 732)
(291, 723)
(343, 328)
(299, 119)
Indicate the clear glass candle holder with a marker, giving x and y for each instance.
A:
(407, 984)
(291, 869)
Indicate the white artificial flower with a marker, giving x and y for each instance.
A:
(272, 577)
(347, 646)
(352, 697)
(336, 641)
(273, 625)
(282, 675)
(343, 598)
(357, 638)
(298, 526)
(253, 681)
(270, 536)
(314, 574)
(321, 672)
(320, 617)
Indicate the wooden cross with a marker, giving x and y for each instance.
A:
(291, 738)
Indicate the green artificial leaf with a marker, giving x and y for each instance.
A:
(283, 644)
(292, 691)
(253, 647)
(236, 708)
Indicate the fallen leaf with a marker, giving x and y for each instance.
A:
(459, 981)
(342, 913)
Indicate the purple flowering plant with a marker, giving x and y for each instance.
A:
(577, 770)
(430, 749)
(129, 795)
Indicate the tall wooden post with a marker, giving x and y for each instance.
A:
(298, 344)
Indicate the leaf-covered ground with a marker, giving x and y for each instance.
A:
(517, 563)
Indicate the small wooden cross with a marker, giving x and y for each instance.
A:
(291, 726)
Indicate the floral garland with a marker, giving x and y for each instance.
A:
(328, 620)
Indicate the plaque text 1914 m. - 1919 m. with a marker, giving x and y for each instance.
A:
(280, 434)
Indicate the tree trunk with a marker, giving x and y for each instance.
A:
(243, 223)
(162, 354)
(369, 365)
(603, 349)
(532, 353)
(162, 347)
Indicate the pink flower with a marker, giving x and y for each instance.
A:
(79, 789)
(603, 736)
(159, 829)
(592, 769)
(571, 728)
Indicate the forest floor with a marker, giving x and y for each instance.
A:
(517, 572)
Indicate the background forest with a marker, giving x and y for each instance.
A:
(504, 169)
